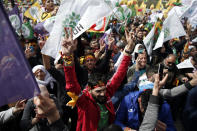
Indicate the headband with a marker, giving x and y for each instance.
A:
(100, 83)
(89, 57)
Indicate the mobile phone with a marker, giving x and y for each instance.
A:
(31, 48)
(160, 71)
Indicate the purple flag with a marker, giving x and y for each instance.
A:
(15, 18)
(39, 28)
(16, 79)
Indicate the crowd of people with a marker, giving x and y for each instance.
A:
(109, 84)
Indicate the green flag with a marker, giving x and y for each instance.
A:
(27, 31)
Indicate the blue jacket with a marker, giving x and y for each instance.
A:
(119, 95)
(127, 115)
(190, 111)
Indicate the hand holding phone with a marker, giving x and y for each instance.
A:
(160, 71)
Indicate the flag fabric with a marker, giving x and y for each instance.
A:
(49, 23)
(155, 16)
(186, 2)
(45, 27)
(15, 18)
(153, 36)
(160, 41)
(191, 10)
(152, 6)
(27, 31)
(159, 5)
(16, 79)
(158, 27)
(148, 41)
(185, 64)
(33, 12)
(191, 13)
(178, 10)
(172, 28)
(100, 26)
(143, 7)
(39, 28)
(133, 9)
(122, 12)
(36, 13)
(78, 15)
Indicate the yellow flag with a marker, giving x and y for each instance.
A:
(34, 11)
(137, 9)
(143, 7)
(123, 2)
(158, 6)
(152, 7)
(44, 16)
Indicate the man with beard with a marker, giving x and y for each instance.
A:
(95, 110)
(172, 71)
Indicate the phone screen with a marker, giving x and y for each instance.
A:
(160, 71)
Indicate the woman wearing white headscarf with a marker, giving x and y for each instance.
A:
(43, 77)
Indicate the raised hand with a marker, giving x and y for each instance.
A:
(20, 105)
(41, 42)
(129, 38)
(111, 42)
(137, 68)
(193, 82)
(156, 85)
(29, 52)
(46, 107)
(102, 45)
(68, 44)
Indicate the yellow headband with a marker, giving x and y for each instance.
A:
(89, 57)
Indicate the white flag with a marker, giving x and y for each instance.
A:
(187, 2)
(78, 14)
(172, 28)
(48, 24)
(185, 64)
(148, 41)
(191, 13)
(179, 10)
(154, 17)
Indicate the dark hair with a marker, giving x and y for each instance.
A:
(139, 53)
(145, 95)
(95, 78)
(151, 71)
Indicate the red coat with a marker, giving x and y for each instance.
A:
(88, 110)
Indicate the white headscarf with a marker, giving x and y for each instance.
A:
(135, 51)
(48, 78)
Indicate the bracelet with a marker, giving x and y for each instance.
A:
(67, 59)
